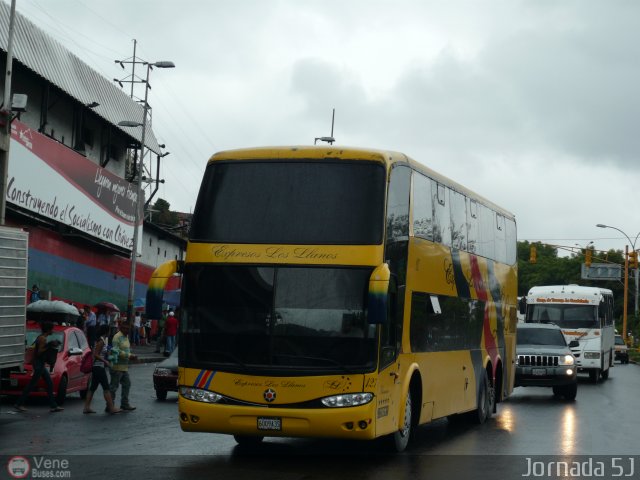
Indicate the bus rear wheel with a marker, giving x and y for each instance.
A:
(486, 400)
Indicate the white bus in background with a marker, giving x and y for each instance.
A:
(584, 314)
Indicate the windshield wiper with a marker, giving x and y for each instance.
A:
(227, 355)
(315, 359)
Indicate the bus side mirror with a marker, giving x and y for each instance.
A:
(378, 295)
(522, 305)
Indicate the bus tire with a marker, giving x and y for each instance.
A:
(594, 375)
(486, 399)
(604, 374)
(400, 439)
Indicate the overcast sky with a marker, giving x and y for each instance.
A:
(533, 104)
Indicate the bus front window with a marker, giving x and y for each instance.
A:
(565, 316)
(278, 319)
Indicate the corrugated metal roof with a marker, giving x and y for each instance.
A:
(48, 58)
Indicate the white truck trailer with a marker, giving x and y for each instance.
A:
(14, 256)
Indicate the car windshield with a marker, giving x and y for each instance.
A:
(565, 316)
(31, 335)
(619, 340)
(540, 336)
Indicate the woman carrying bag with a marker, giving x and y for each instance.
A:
(99, 372)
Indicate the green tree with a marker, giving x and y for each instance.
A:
(163, 215)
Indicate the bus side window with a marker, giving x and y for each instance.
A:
(459, 229)
(396, 254)
(441, 215)
(391, 331)
(422, 207)
(472, 226)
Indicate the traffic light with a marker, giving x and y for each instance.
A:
(533, 255)
(587, 257)
(633, 259)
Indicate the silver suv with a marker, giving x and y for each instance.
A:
(544, 359)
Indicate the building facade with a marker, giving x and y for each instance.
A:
(70, 175)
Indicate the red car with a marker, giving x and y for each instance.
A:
(66, 376)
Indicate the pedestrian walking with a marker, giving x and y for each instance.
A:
(146, 330)
(161, 338)
(170, 330)
(34, 296)
(137, 323)
(91, 326)
(99, 373)
(41, 350)
(120, 357)
(103, 316)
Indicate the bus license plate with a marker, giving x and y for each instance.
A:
(270, 423)
(539, 371)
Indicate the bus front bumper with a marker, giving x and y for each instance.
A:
(346, 422)
(589, 361)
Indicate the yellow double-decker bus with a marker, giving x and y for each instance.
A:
(342, 293)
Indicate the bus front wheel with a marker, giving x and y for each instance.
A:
(400, 439)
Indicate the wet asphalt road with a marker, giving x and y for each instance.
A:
(148, 443)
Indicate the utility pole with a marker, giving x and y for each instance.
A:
(5, 116)
(626, 289)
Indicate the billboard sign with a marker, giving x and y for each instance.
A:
(602, 271)
(52, 180)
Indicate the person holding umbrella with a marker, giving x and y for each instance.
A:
(104, 309)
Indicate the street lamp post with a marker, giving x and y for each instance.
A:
(635, 277)
(139, 167)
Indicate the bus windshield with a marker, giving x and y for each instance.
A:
(277, 319)
(268, 202)
(565, 316)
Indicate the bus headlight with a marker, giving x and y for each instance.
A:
(347, 400)
(592, 355)
(566, 360)
(200, 395)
